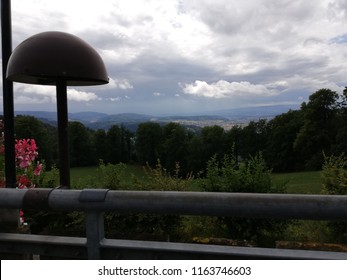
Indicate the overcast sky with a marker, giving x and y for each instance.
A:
(192, 56)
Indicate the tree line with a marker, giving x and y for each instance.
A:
(292, 141)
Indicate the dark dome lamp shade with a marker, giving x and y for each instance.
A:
(60, 59)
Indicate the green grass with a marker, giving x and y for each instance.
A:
(298, 182)
(81, 176)
(86, 176)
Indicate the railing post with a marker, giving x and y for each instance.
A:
(94, 221)
(95, 233)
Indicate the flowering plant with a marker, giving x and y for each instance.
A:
(27, 171)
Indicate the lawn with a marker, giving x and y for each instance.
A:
(298, 182)
(83, 177)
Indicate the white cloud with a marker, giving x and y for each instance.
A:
(31, 94)
(225, 89)
(47, 94)
(49, 91)
(114, 99)
(120, 83)
(30, 100)
(76, 95)
(158, 94)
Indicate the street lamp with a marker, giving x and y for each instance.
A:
(59, 59)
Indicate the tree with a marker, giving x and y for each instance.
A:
(253, 138)
(213, 143)
(234, 141)
(100, 144)
(174, 147)
(341, 135)
(279, 152)
(114, 144)
(126, 145)
(148, 143)
(80, 145)
(318, 132)
(195, 163)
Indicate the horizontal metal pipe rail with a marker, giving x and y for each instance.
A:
(96, 201)
(315, 207)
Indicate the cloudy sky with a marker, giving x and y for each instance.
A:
(192, 56)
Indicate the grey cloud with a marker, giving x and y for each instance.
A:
(154, 47)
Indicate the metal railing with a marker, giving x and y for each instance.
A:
(94, 202)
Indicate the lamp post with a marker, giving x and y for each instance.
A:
(8, 107)
(57, 59)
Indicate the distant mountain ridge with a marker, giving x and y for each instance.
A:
(226, 118)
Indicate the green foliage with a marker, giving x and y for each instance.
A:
(254, 177)
(49, 179)
(110, 175)
(283, 130)
(212, 142)
(254, 137)
(334, 175)
(174, 147)
(319, 130)
(202, 227)
(148, 143)
(309, 231)
(146, 225)
(100, 144)
(231, 176)
(80, 144)
(159, 179)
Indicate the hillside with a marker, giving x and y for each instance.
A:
(223, 118)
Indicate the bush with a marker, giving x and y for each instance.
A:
(334, 175)
(229, 176)
(334, 178)
(161, 226)
(250, 176)
(159, 179)
(110, 175)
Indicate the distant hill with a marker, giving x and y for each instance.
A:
(254, 113)
(224, 118)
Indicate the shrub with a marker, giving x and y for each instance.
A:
(334, 178)
(159, 179)
(162, 226)
(110, 175)
(250, 176)
(334, 175)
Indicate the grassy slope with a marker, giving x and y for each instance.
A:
(300, 182)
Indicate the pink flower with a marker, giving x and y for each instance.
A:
(21, 216)
(26, 152)
(23, 182)
(38, 169)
